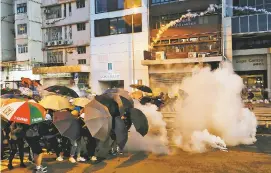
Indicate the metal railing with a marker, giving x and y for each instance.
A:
(251, 23)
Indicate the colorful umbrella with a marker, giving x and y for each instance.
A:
(63, 90)
(55, 102)
(23, 112)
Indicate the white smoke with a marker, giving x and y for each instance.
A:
(156, 140)
(212, 114)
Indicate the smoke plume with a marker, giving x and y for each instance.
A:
(156, 140)
(212, 113)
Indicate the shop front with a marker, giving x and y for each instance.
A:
(110, 79)
(64, 75)
(253, 70)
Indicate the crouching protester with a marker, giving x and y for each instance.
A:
(32, 138)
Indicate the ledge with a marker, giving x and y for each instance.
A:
(61, 69)
(181, 61)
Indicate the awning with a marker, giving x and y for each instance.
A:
(61, 69)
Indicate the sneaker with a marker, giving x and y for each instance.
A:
(80, 159)
(71, 159)
(10, 167)
(93, 158)
(41, 170)
(60, 159)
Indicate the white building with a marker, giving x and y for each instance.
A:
(66, 40)
(24, 38)
(117, 48)
(248, 42)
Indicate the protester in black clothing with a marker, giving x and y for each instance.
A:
(16, 141)
(33, 138)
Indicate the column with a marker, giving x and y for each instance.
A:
(227, 29)
(269, 73)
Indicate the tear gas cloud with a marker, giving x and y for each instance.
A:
(211, 115)
(156, 140)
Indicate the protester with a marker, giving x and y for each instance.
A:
(16, 141)
(32, 138)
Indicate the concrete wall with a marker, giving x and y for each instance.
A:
(117, 49)
(7, 27)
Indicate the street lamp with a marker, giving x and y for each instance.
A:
(134, 8)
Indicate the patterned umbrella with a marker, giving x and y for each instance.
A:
(25, 112)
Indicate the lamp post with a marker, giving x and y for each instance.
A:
(133, 52)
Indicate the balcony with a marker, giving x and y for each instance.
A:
(251, 23)
(58, 43)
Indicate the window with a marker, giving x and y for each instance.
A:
(70, 32)
(22, 29)
(21, 8)
(65, 32)
(65, 10)
(81, 50)
(80, 3)
(109, 66)
(54, 33)
(22, 48)
(81, 26)
(82, 61)
(118, 25)
(70, 9)
(103, 6)
(53, 12)
(54, 57)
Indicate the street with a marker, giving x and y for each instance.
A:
(253, 159)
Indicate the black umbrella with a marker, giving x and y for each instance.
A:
(108, 102)
(121, 132)
(63, 90)
(67, 124)
(116, 97)
(127, 101)
(143, 88)
(140, 121)
(12, 91)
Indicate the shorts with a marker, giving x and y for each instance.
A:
(34, 144)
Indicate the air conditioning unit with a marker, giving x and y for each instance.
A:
(46, 43)
(60, 42)
(52, 43)
(65, 42)
(201, 55)
(160, 55)
(192, 54)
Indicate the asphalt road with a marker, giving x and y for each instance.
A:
(246, 159)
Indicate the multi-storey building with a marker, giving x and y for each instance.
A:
(66, 40)
(119, 35)
(182, 46)
(251, 42)
(24, 34)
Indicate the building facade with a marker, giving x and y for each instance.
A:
(183, 45)
(119, 36)
(66, 43)
(25, 36)
(251, 43)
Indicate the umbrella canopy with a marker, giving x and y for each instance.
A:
(55, 102)
(140, 121)
(81, 102)
(23, 112)
(63, 90)
(121, 132)
(67, 124)
(12, 91)
(117, 99)
(126, 99)
(5, 101)
(108, 102)
(14, 96)
(98, 120)
(143, 88)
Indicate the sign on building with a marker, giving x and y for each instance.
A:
(250, 63)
